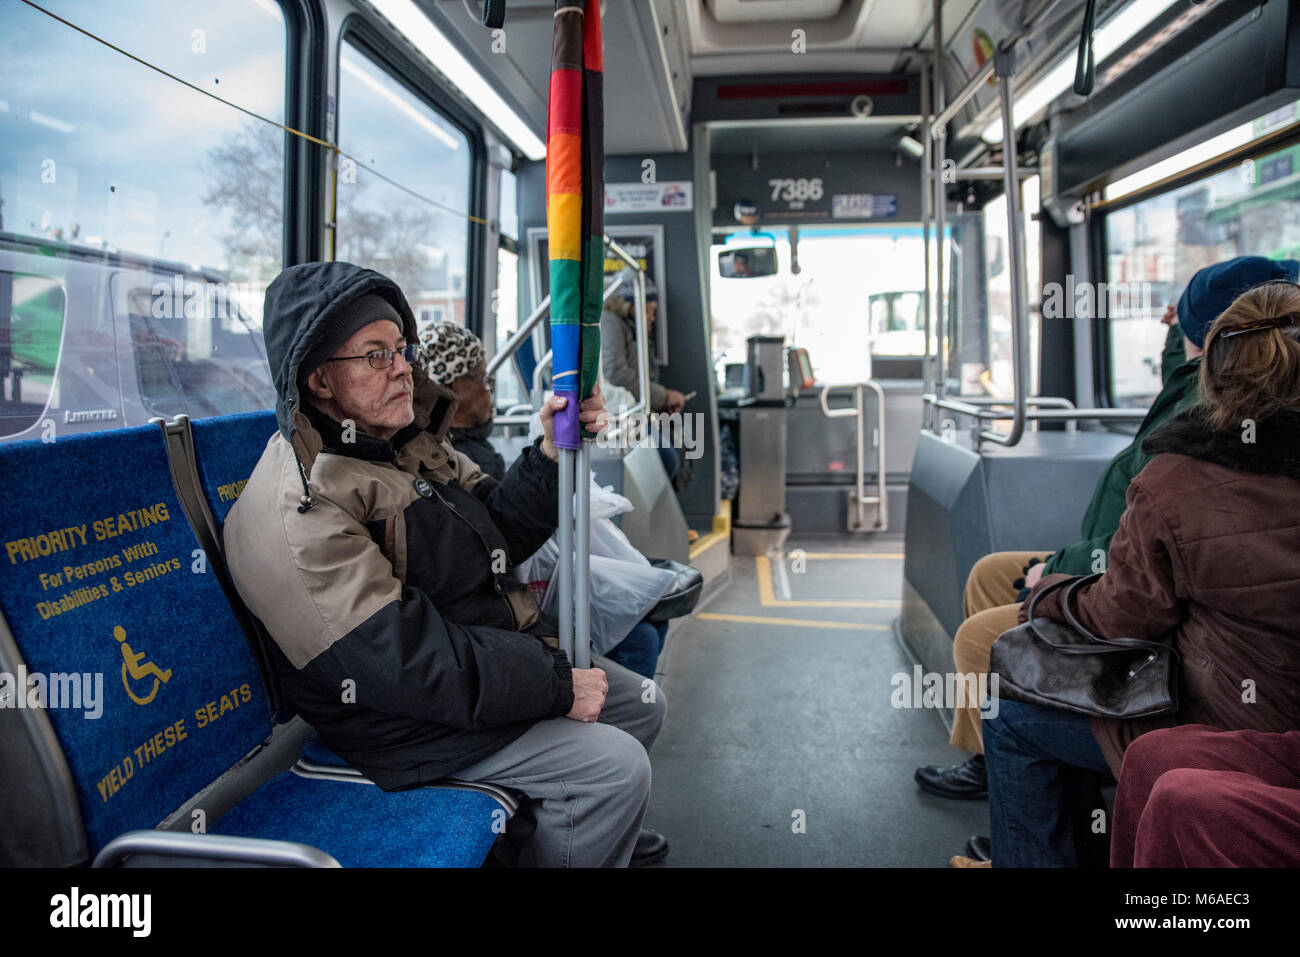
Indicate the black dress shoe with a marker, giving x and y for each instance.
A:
(968, 781)
(977, 848)
(651, 848)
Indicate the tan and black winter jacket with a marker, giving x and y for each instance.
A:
(400, 634)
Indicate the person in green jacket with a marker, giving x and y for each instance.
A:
(995, 584)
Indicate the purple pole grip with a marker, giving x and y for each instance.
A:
(568, 429)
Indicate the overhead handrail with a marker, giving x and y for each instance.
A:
(989, 172)
(1001, 65)
(976, 83)
(860, 498)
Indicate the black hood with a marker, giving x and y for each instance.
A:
(1275, 449)
(299, 305)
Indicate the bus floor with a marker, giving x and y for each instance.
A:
(782, 745)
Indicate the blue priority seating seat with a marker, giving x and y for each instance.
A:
(226, 450)
(151, 693)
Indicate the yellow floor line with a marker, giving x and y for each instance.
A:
(767, 597)
(705, 542)
(791, 622)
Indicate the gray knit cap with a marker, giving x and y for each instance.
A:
(360, 313)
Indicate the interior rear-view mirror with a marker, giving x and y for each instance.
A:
(747, 262)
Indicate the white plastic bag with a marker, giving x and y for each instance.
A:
(606, 503)
(621, 593)
(536, 570)
(608, 541)
(624, 585)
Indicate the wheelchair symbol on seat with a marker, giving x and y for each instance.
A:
(135, 665)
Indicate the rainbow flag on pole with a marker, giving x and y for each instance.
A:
(575, 207)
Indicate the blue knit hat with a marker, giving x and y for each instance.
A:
(1213, 289)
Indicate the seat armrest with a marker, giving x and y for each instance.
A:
(212, 847)
(503, 796)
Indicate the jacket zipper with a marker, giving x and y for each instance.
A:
(495, 584)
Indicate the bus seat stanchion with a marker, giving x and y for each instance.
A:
(860, 499)
(940, 147)
(927, 198)
(564, 561)
(582, 577)
(1004, 69)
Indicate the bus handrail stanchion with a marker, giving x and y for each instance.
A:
(1004, 69)
(860, 498)
(582, 577)
(564, 561)
(940, 148)
(926, 201)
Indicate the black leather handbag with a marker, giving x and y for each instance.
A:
(1068, 667)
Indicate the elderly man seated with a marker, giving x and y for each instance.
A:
(376, 555)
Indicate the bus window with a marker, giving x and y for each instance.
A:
(110, 168)
(101, 151)
(194, 353)
(828, 307)
(32, 309)
(897, 324)
(403, 212)
(1155, 245)
(987, 370)
(509, 214)
(510, 390)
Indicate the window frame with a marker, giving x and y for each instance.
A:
(422, 83)
(305, 163)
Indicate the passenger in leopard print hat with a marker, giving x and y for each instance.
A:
(448, 351)
(454, 357)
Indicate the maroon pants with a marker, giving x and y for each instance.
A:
(1194, 796)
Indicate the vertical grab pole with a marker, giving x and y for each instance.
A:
(581, 591)
(862, 466)
(564, 561)
(642, 346)
(1005, 61)
(926, 198)
(940, 202)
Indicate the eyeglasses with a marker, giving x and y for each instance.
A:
(489, 381)
(381, 358)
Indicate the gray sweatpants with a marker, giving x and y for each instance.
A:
(590, 782)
